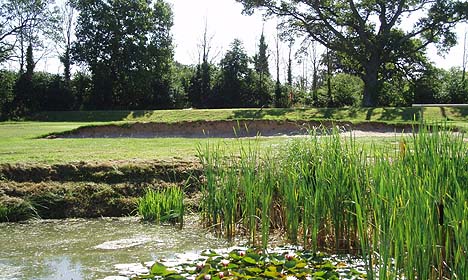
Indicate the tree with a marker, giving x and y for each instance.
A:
(25, 99)
(127, 46)
(200, 89)
(278, 90)
(262, 70)
(25, 23)
(65, 39)
(465, 57)
(369, 33)
(232, 90)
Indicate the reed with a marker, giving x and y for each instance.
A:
(166, 205)
(404, 210)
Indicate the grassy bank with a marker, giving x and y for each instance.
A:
(392, 115)
(88, 190)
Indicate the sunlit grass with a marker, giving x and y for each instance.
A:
(19, 143)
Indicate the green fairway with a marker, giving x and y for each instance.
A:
(20, 142)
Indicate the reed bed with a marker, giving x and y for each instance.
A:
(404, 211)
(165, 205)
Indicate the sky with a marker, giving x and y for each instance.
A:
(226, 22)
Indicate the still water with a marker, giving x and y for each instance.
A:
(91, 249)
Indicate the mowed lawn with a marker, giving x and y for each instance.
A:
(20, 142)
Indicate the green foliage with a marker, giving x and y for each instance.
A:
(16, 209)
(441, 86)
(200, 91)
(232, 87)
(161, 206)
(251, 264)
(374, 51)
(128, 48)
(7, 83)
(346, 91)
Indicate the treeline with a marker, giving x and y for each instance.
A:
(125, 52)
(230, 84)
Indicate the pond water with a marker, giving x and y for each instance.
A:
(91, 249)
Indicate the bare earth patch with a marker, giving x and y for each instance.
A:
(232, 129)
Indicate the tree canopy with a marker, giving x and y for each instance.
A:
(370, 35)
(127, 46)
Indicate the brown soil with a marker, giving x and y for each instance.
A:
(224, 129)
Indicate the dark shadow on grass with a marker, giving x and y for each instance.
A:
(86, 116)
(369, 113)
(258, 113)
(405, 114)
(443, 113)
(461, 112)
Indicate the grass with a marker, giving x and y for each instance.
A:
(403, 210)
(19, 143)
(457, 116)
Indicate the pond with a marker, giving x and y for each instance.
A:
(91, 249)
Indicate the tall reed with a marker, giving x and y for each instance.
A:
(166, 205)
(404, 210)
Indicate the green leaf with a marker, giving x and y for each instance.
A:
(158, 269)
(209, 253)
(175, 277)
(301, 264)
(272, 274)
(235, 256)
(249, 260)
(254, 270)
(290, 264)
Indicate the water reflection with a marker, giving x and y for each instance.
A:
(89, 249)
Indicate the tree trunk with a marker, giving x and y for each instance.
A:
(371, 83)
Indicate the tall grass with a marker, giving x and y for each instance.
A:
(166, 205)
(405, 210)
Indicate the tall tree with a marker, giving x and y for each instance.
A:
(65, 39)
(25, 23)
(233, 89)
(25, 99)
(278, 91)
(200, 89)
(465, 56)
(262, 69)
(370, 33)
(127, 46)
(290, 74)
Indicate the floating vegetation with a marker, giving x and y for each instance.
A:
(242, 263)
(404, 211)
(166, 205)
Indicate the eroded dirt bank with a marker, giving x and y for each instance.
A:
(223, 129)
(88, 189)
